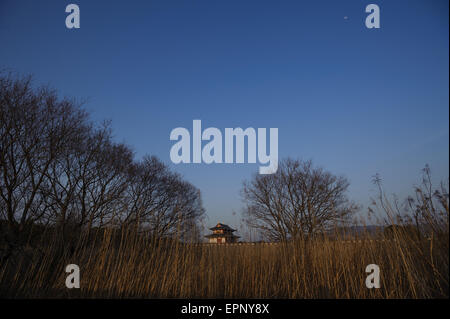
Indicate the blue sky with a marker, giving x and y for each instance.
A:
(356, 101)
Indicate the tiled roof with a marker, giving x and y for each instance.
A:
(222, 226)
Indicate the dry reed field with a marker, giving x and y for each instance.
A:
(121, 264)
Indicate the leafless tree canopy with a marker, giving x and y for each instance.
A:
(295, 202)
(58, 168)
(159, 201)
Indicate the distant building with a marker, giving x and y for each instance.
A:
(222, 234)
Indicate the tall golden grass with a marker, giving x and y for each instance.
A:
(413, 258)
(122, 264)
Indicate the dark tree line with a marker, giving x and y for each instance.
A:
(57, 168)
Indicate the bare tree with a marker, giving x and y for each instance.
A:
(58, 168)
(87, 182)
(104, 181)
(297, 201)
(159, 201)
(35, 127)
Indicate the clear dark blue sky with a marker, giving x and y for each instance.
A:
(357, 101)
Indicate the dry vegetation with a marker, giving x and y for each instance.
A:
(121, 264)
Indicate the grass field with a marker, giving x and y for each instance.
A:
(120, 264)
